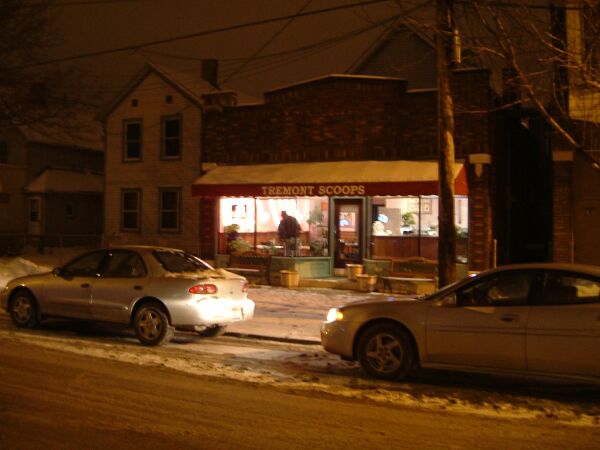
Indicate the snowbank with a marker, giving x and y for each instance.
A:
(11, 268)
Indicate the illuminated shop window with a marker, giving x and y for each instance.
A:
(397, 222)
(257, 220)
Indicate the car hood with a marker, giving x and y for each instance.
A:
(382, 300)
(26, 279)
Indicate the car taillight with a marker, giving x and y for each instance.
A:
(246, 287)
(204, 289)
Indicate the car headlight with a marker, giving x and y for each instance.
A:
(334, 314)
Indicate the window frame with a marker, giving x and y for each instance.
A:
(66, 272)
(108, 258)
(138, 210)
(164, 138)
(127, 141)
(489, 282)
(161, 211)
(34, 214)
(3, 152)
(541, 299)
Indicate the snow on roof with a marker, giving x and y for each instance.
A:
(190, 83)
(81, 132)
(64, 180)
(325, 172)
(332, 76)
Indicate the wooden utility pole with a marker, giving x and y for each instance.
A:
(447, 229)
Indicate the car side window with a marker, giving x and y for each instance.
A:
(124, 264)
(504, 289)
(84, 266)
(569, 289)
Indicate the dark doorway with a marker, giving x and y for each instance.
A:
(348, 232)
(524, 190)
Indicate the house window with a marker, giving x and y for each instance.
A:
(69, 211)
(170, 200)
(169, 99)
(134, 102)
(171, 137)
(130, 209)
(3, 152)
(34, 210)
(132, 150)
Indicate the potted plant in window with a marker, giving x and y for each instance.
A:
(315, 219)
(407, 223)
(232, 232)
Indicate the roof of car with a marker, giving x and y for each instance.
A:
(146, 248)
(583, 268)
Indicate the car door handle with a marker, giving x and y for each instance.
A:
(85, 285)
(509, 318)
(137, 287)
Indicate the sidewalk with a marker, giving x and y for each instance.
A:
(292, 314)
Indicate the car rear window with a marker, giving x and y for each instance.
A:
(179, 262)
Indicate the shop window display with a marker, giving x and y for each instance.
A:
(257, 220)
(408, 226)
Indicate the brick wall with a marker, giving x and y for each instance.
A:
(480, 217)
(562, 213)
(348, 118)
(361, 118)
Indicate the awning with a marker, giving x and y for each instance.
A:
(343, 178)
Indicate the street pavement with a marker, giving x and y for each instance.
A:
(292, 314)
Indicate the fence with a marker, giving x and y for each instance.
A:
(17, 244)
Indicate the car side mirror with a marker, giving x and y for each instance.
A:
(57, 271)
(449, 300)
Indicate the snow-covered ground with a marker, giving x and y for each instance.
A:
(296, 314)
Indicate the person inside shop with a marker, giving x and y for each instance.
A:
(289, 232)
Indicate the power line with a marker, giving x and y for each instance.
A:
(202, 33)
(269, 41)
(271, 61)
(93, 2)
(516, 5)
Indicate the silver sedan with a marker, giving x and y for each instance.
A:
(538, 320)
(155, 290)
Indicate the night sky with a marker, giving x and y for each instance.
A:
(101, 25)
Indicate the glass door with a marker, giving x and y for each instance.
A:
(348, 232)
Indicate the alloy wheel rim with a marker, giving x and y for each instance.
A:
(150, 325)
(384, 353)
(22, 310)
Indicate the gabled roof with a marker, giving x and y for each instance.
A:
(43, 134)
(190, 85)
(385, 37)
(82, 131)
(66, 181)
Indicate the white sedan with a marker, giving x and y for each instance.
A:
(530, 319)
(154, 290)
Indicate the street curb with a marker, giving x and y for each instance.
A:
(272, 338)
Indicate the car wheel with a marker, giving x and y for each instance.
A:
(24, 310)
(151, 325)
(384, 352)
(213, 331)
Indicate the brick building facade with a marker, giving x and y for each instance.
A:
(360, 118)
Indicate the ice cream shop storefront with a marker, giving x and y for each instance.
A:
(347, 212)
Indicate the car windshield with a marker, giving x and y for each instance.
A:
(180, 262)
